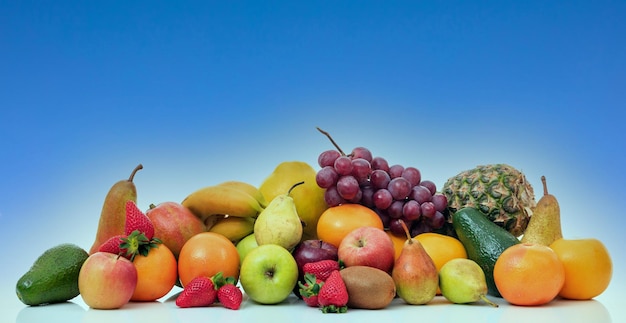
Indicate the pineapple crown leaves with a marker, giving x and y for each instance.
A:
(136, 243)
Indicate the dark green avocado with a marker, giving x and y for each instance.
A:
(483, 240)
(53, 277)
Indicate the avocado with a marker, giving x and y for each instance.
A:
(53, 277)
(483, 240)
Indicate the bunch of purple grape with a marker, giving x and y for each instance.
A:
(396, 193)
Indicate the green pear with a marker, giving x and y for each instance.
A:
(544, 226)
(279, 222)
(415, 273)
(462, 281)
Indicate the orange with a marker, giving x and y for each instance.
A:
(337, 221)
(528, 274)
(206, 254)
(441, 248)
(588, 267)
(398, 242)
(156, 274)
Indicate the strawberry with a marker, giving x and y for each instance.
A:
(199, 292)
(230, 296)
(310, 289)
(113, 245)
(137, 220)
(321, 269)
(333, 295)
(227, 292)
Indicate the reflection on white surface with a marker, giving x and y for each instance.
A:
(438, 310)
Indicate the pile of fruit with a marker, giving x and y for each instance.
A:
(355, 233)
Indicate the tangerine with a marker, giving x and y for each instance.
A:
(441, 248)
(588, 267)
(206, 254)
(528, 274)
(337, 221)
(156, 274)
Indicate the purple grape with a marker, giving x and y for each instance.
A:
(395, 226)
(440, 201)
(361, 152)
(420, 227)
(411, 210)
(413, 175)
(357, 198)
(332, 197)
(400, 188)
(326, 177)
(420, 194)
(382, 198)
(395, 209)
(327, 158)
(436, 221)
(428, 209)
(380, 163)
(430, 185)
(347, 187)
(343, 165)
(396, 171)
(383, 217)
(379, 178)
(361, 169)
(368, 193)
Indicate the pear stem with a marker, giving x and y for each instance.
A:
(132, 175)
(488, 301)
(545, 185)
(294, 185)
(406, 231)
(331, 140)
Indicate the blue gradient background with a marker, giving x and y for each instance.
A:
(201, 92)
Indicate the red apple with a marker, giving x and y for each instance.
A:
(174, 224)
(107, 281)
(310, 251)
(367, 246)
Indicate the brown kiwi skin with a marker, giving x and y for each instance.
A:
(368, 287)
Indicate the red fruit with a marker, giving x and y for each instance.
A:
(333, 295)
(137, 220)
(321, 269)
(199, 292)
(310, 289)
(230, 296)
(112, 245)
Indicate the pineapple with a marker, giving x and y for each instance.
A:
(499, 191)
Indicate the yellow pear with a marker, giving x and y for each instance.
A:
(544, 226)
(308, 197)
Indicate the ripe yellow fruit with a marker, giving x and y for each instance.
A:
(588, 267)
(441, 248)
(308, 197)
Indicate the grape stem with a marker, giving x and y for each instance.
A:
(331, 140)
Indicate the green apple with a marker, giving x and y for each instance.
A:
(245, 245)
(268, 274)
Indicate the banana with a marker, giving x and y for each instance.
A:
(233, 228)
(248, 188)
(222, 199)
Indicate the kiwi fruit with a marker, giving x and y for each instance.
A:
(368, 287)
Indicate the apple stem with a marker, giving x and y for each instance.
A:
(331, 140)
(132, 175)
